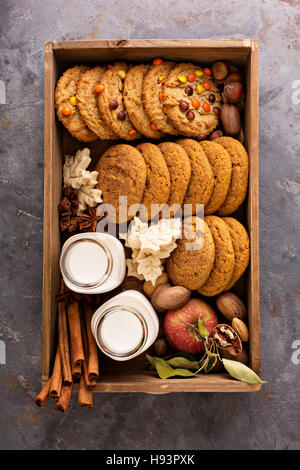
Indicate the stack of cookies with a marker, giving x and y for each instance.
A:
(128, 102)
(213, 173)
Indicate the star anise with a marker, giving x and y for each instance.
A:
(88, 222)
(67, 209)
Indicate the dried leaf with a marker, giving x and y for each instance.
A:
(183, 363)
(241, 372)
(165, 371)
(211, 364)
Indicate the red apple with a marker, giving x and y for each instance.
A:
(180, 335)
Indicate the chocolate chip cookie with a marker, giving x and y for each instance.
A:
(132, 95)
(66, 104)
(87, 103)
(111, 104)
(192, 100)
(152, 95)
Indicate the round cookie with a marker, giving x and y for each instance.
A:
(152, 89)
(65, 89)
(113, 82)
(157, 188)
(190, 97)
(201, 184)
(224, 262)
(132, 96)
(179, 167)
(87, 103)
(122, 172)
(239, 176)
(241, 248)
(191, 268)
(220, 163)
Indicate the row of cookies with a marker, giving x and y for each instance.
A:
(213, 173)
(217, 263)
(121, 101)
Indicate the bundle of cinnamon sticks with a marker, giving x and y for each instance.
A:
(76, 358)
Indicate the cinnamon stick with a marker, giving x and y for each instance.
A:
(63, 402)
(85, 395)
(92, 361)
(56, 381)
(77, 355)
(42, 398)
(89, 383)
(64, 344)
(76, 373)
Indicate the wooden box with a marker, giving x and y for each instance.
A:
(132, 376)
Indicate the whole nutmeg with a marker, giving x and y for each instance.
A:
(220, 70)
(241, 328)
(170, 298)
(214, 135)
(160, 347)
(231, 306)
(231, 119)
(241, 357)
(149, 288)
(233, 92)
(234, 77)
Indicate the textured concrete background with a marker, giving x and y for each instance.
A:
(268, 420)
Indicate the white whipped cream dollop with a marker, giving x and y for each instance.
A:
(151, 246)
(83, 181)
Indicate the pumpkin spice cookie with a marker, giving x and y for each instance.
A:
(179, 167)
(111, 105)
(191, 262)
(132, 95)
(201, 184)
(152, 95)
(87, 101)
(65, 104)
(122, 172)
(157, 188)
(241, 247)
(224, 262)
(220, 163)
(239, 177)
(192, 100)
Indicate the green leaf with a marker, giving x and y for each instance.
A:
(165, 371)
(241, 372)
(202, 330)
(183, 363)
(211, 364)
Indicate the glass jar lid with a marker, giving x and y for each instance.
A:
(122, 331)
(86, 262)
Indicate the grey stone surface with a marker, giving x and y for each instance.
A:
(268, 420)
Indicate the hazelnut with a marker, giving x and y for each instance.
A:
(214, 135)
(160, 347)
(220, 70)
(131, 282)
(231, 120)
(231, 306)
(234, 77)
(241, 328)
(149, 288)
(233, 92)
